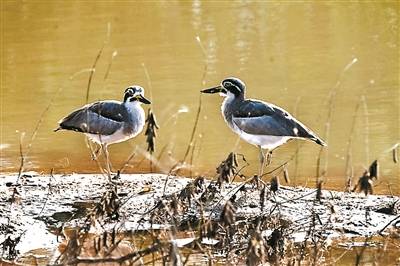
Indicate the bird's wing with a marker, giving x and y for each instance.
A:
(109, 109)
(253, 108)
(260, 118)
(98, 118)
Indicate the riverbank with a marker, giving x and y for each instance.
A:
(249, 221)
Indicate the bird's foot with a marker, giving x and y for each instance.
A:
(113, 177)
(116, 176)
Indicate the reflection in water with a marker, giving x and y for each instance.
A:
(196, 15)
(244, 35)
(285, 52)
(207, 32)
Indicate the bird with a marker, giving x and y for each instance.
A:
(108, 122)
(262, 124)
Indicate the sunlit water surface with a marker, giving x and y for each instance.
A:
(291, 54)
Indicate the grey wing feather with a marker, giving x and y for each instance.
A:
(108, 109)
(253, 108)
(259, 118)
(96, 118)
(267, 125)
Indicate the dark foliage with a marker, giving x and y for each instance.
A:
(227, 168)
(150, 132)
(274, 184)
(374, 169)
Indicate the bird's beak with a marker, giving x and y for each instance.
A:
(143, 100)
(218, 89)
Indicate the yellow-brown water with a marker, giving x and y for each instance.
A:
(290, 54)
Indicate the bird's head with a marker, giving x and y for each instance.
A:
(229, 87)
(135, 93)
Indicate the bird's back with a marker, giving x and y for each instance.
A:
(105, 118)
(264, 119)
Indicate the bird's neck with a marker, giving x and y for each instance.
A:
(133, 106)
(228, 105)
(136, 115)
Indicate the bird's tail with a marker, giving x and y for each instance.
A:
(57, 129)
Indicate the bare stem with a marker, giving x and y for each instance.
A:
(331, 104)
(366, 117)
(296, 161)
(127, 161)
(114, 54)
(21, 154)
(146, 73)
(348, 173)
(34, 133)
(93, 69)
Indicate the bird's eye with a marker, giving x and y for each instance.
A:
(228, 84)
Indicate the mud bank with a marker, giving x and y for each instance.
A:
(34, 211)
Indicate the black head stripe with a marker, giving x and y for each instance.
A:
(232, 87)
(130, 90)
(126, 96)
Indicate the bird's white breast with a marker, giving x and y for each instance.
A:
(138, 117)
(265, 141)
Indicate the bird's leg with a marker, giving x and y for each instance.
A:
(262, 161)
(105, 148)
(97, 152)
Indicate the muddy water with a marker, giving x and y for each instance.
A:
(293, 55)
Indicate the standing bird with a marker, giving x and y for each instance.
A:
(259, 123)
(108, 122)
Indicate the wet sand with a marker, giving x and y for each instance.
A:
(32, 209)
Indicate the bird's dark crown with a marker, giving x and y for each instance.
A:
(234, 85)
(131, 90)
